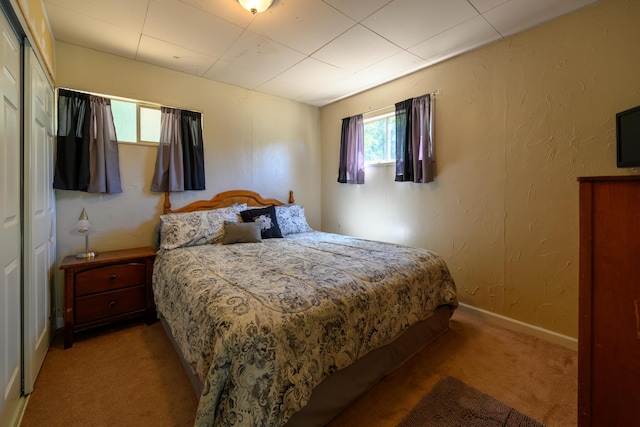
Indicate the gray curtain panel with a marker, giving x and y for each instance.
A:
(351, 167)
(87, 147)
(404, 162)
(415, 157)
(72, 141)
(169, 172)
(180, 161)
(104, 166)
(422, 139)
(192, 150)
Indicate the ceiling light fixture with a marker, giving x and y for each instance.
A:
(256, 6)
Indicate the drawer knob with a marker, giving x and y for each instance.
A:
(113, 277)
(112, 304)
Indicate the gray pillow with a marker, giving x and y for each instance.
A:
(241, 232)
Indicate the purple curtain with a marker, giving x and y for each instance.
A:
(351, 168)
(415, 159)
(104, 167)
(169, 173)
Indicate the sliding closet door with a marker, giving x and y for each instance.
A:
(10, 258)
(39, 217)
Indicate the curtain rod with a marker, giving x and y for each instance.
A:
(434, 93)
(121, 98)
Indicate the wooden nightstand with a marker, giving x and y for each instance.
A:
(113, 286)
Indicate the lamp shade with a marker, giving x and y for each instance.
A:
(256, 6)
(83, 225)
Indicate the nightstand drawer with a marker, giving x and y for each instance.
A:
(109, 278)
(107, 304)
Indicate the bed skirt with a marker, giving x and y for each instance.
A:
(337, 392)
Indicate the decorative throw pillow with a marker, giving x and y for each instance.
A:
(291, 219)
(196, 228)
(266, 218)
(241, 232)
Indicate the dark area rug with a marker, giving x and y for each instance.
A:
(452, 403)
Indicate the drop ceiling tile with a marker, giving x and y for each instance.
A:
(356, 49)
(304, 26)
(159, 52)
(519, 15)
(311, 72)
(356, 82)
(74, 28)
(302, 78)
(229, 10)
(320, 98)
(384, 71)
(284, 88)
(253, 60)
(218, 39)
(389, 69)
(426, 19)
(195, 29)
(106, 11)
(395, 66)
(357, 9)
(229, 73)
(485, 5)
(464, 37)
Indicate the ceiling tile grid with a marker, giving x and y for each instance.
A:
(409, 22)
(311, 51)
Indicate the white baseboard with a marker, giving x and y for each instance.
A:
(16, 420)
(518, 326)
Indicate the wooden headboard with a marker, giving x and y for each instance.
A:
(225, 199)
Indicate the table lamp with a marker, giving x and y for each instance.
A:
(83, 227)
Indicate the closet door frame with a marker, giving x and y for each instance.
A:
(25, 320)
(11, 262)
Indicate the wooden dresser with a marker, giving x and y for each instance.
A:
(113, 286)
(609, 326)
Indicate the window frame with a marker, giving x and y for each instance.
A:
(148, 106)
(382, 116)
(139, 105)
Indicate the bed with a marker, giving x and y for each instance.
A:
(288, 329)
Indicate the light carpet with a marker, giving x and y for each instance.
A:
(130, 375)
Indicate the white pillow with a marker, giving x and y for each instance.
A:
(196, 228)
(291, 219)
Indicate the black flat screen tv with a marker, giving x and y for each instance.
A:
(628, 138)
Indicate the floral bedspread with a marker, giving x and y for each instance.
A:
(264, 323)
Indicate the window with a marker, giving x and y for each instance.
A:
(150, 124)
(380, 139)
(136, 122)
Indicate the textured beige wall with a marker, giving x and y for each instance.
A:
(252, 141)
(516, 123)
